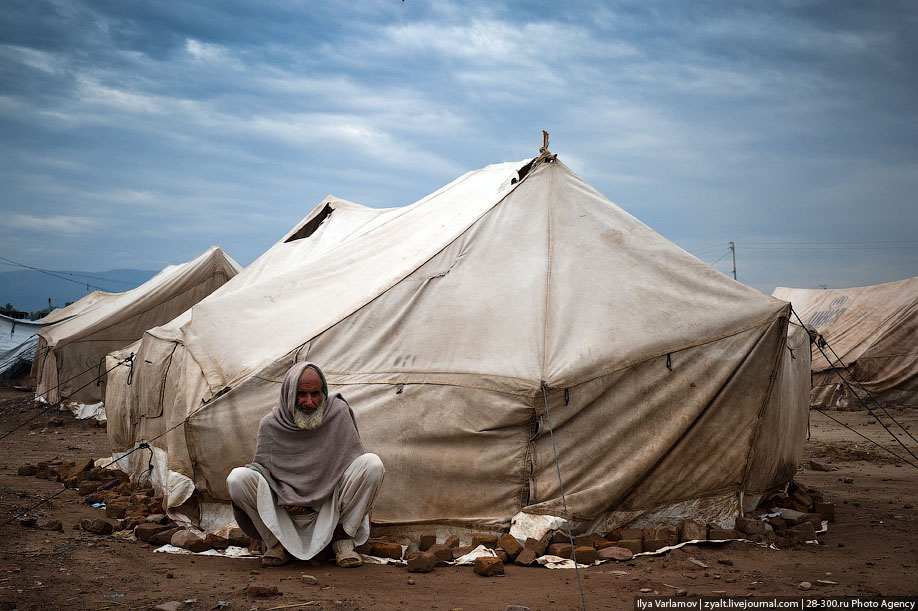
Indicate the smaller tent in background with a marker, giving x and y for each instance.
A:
(71, 353)
(18, 339)
(873, 330)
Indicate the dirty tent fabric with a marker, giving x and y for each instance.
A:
(672, 389)
(71, 353)
(874, 332)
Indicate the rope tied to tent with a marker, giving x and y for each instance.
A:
(545, 388)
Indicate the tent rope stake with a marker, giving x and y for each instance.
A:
(567, 518)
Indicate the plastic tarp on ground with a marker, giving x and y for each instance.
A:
(873, 330)
(71, 353)
(18, 339)
(457, 326)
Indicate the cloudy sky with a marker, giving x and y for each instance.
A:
(137, 134)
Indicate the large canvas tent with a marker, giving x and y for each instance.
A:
(71, 353)
(457, 327)
(873, 331)
(18, 339)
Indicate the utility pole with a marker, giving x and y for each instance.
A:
(733, 252)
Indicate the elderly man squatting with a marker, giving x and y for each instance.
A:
(311, 482)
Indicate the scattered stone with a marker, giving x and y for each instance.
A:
(115, 510)
(585, 554)
(636, 546)
(37, 425)
(100, 526)
(160, 518)
(818, 465)
(28, 470)
(504, 556)
(516, 608)
(488, 566)
(443, 553)
(83, 466)
(452, 541)
(722, 533)
(804, 585)
(652, 545)
(172, 605)
(215, 541)
(825, 510)
(509, 544)
(51, 525)
(632, 533)
(413, 548)
(181, 538)
(559, 536)
(486, 539)
(309, 580)
(526, 557)
(561, 550)
(538, 546)
(668, 534)
(144, 531)
(384, 549)
(423, 562)
(698, 563)
(257, 591)
(28, 522)
(615, 553)
(411, 581)
(690, 530)
(826, 582)
(847, 480)
(461, 551)
(426, 541)
(365, 549)
(162, 538)
(88, 487)
(750, 526)
(803, 532)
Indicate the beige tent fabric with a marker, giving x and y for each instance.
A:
(440, 321)
(71, 353)
(874, 332)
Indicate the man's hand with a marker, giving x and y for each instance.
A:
(295, 510)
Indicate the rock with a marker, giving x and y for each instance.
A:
(632, 533)
(413, 548)
(803, 532)
(722, 533)
(100, 526)
(636, 546)
(818, 465)
(652, 545)
(668, 534)
(83, 466)
(461, 551)
(825, 510)
(504, 556)
(182, 537)
(257, 591)
(488, 566)
(585, 554)
(411, 581)
(452, 541)
(172, 605)
(559, 536)
(486, 539)
(160, 518)
(197, 546)
(144, 531)
(28, 470)
(847, 480)
(536, 545)
(384, 549)
(509, 544)
(55, 421)
(442, 552)
(37, 425)
(309, 580)
(690, 530)
(516, 608)
(215, 541)
(750, 526)
(561, 550)
(423, 562)
(162, 538)
(800, 499)
(804, 585)
(615, 552)
(115, 510)
(236, 537)
(365, 549)
(526, 557)
(28, 522)
(51, 525)
(426, 541)
(88, 487)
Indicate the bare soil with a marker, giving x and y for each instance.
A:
(869, 550)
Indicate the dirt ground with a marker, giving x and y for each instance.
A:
(870, 549)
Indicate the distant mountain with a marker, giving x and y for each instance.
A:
(29, 290)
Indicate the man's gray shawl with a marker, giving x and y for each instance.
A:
(303, 467)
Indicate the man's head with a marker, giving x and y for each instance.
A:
(311, 397)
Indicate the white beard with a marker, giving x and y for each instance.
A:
(306, 421)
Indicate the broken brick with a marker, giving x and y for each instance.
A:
(509, 544)
(690, 530)
(615, 552)
(486, 539)
(426, 541)
(526, 557)
(585, 554)
(536, 545)
(488, 566)
(422, 562)
(384, 549)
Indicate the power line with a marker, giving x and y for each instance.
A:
(56, 274)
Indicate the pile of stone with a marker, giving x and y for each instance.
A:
(794, 517)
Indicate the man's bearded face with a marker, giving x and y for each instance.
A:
(310, 401)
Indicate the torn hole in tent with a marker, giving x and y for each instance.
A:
(310, 226)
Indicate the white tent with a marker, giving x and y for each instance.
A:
(448, 324)
(873, 331)
(71, 353)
